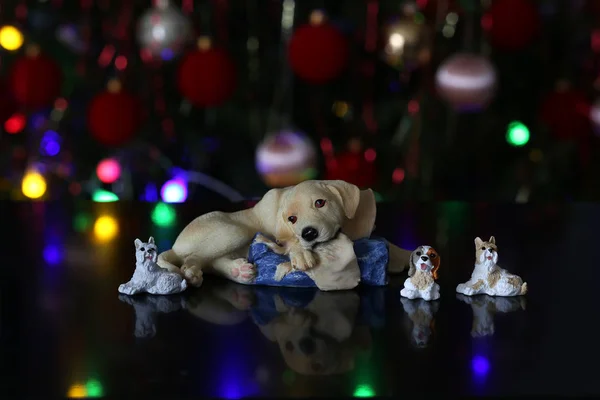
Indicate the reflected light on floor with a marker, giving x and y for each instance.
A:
(52, 254)
(106, 228)
(92, 389)
(77, 392)
(364, 391)
(480, 366)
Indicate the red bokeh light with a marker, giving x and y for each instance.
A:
(15, 124)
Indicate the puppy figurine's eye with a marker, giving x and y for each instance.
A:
(419, 253)
(432, 256)
(319, 203)
(490, 249)
(483, 248)
(142, 249)
(292, 219)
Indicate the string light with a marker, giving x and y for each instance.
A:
(164, 215)
(174, 191)
(106, 228)
(104, 196)
(517, 134)
(33, 185)
(108, 170)
(10, 38)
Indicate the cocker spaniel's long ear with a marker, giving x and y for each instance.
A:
(359, 207)
(436, 266)
(412, 268)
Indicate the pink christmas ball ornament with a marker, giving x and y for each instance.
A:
(467, 82)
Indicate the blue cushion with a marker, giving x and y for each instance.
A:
(371, 253)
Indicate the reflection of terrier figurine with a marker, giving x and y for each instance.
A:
(488, 277)
(424, 263)
(484, 309)
(146, 308)
(148, 276)
(421, 314)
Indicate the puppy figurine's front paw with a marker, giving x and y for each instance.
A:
(302, 259)
(282, 270)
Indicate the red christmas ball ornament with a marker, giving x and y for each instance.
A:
(511, 24)
(207, 76)
(354, 166)
(35, 80)
(318, 51)
(566, 113)
(114, 116)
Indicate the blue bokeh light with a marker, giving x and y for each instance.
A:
(52, 254)
(174, 191)
(167, 54)
(480, 365)
(50, 144)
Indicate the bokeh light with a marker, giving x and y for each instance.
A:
(364, 391)
(82, 222)
(517, 134)
(480, 365)
(106, 228)
(33, 185)
(164, 215)
(52, 254)
(174, 191)
(104, 196)
(50, 144)
(11, 38)
(15, 124)
(94, 388)
(108, 170)
(77, 391)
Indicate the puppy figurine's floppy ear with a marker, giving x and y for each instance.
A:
(138, 243)
(478, 242)
(436, 265)
(492, 240)
(412, 268)
(359, 207)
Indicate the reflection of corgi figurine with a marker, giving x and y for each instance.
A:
(148, 277)
(424, 264)
(421, 313)
(146, 308)
(488, 278)
(484, 309)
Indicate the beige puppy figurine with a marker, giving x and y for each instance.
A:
(487, 277)
(300, 217)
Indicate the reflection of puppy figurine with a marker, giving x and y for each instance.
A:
(484, 309)
(321, 338)
(488, 277)
(424, 264)
(146, 308)
(148, 276)
(421, 314)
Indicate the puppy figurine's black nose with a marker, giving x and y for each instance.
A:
(309, 233)
(424, 258)
(307, 346)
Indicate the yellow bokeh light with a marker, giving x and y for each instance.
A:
(11, 38)
(77, 392)
(106, 228)
(33, 185)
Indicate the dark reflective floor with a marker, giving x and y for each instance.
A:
(65, 331)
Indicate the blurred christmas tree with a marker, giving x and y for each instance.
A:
(182, 100)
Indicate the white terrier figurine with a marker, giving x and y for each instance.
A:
(488, 278)
(148, 277)
(424, 263)
(486, 307)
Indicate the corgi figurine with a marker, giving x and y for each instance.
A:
(487, 277)
(148, 277)
(422, 274)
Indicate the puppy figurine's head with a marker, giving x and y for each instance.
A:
(145, 251)
(425, 259)
(316, 211)
(486, 252)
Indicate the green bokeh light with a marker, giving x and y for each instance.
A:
(517, 134)
(364, 391)
(104, 196)
(82, 222)
(164, 215)
(378, 197)
(94, 389)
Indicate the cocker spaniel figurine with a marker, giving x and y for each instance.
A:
(422, 274)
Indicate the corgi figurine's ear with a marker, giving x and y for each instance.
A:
(151, 240)
(492, 240)
(478, 242)
(138, 243)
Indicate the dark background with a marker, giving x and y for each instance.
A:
(446, 154)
